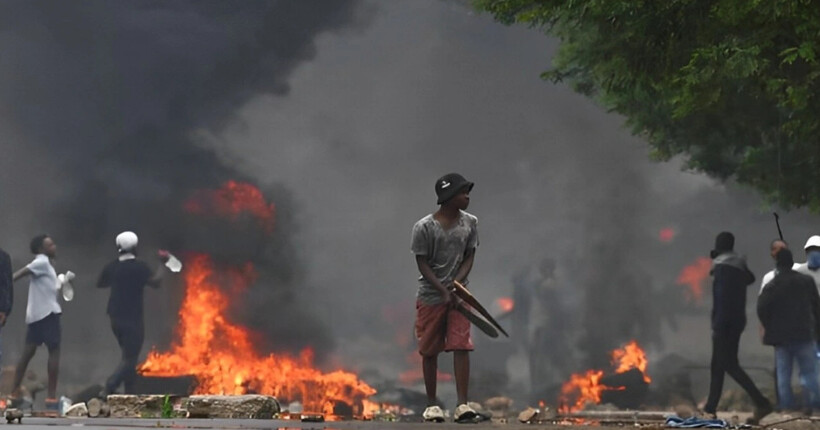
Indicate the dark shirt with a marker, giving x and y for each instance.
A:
(6, 287)
(127, 280)
(731, 277)
(789, 309)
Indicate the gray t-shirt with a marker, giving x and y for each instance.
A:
(444, 250)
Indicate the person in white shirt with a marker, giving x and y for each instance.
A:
(42, 316)
(774, 248)
(812, 265)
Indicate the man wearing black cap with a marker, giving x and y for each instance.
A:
(789, 309)
(731, 277)
(444, 245)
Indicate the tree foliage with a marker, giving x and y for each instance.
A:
(732, 85)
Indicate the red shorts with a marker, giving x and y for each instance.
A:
(441, 328)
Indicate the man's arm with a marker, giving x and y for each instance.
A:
(25, 271)
(466, 265)
(427, 273)
(156, 279)
(104, 281)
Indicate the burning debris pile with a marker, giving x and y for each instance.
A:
(625, 388)
(221, 354)
(694, 276)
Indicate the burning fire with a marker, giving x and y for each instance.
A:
(231, 201)
(222, 357)
(505, 303)
(667, 234)
(631, 356)
(586, 387)
(694, 276)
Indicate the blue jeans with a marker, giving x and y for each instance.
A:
(805, 355)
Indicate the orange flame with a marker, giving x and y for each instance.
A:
(694, 276)
(231, 201)
(631, 356)
(667, 234)
(222, 357)
(505, 303)
(584, 388)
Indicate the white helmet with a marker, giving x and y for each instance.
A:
(127, 241)
(813, 241)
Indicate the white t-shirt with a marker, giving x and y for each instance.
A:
(42, 290)
(804, 269)
(770, 275)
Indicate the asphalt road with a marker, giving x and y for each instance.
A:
(31, 423)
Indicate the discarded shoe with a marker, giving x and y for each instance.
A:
(433, 414)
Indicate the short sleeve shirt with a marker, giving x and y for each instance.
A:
(444, 250)
(42, 290)
(127, 280)
(804, 269)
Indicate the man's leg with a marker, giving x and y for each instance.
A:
(53, 370)
(429, 367)
(129, 336)
(807, 362)
(461, 365)
(783, 361)
(718, 368)
(28, 353)
(431, 323)
(740, 376)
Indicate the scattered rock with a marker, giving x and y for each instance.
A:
(135, 406)
(528, 415)
(97, 408)
(77, 410)
(245, 406)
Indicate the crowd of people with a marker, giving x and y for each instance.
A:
(126, 277)
(788, 308)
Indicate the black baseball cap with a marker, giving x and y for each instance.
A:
(449, 185)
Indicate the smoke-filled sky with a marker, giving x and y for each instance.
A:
(345, 113)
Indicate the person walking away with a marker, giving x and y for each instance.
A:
(731, 276)
(127, 277)
(789, 309)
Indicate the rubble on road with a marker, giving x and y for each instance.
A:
(243, 406)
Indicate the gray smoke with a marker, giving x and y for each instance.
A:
(103, 104)
(431, 88)
(356, 138)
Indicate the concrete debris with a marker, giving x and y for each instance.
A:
(97, 408)
(13, 414)
(529, 415)
(135, 406)
(313, 418)
(77, 410)
(244, 406)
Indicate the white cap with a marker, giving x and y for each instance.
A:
(813, 241)
(127, 241)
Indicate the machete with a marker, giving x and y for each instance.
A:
(468, 297)
(479, 322)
